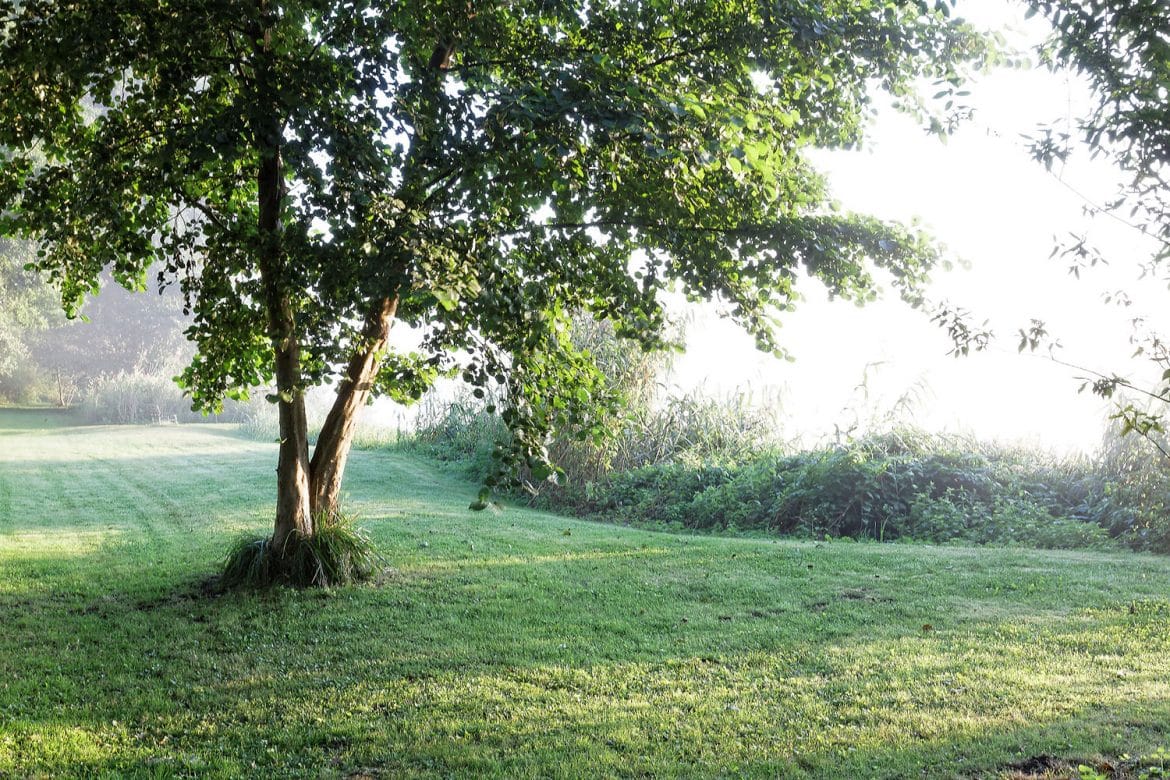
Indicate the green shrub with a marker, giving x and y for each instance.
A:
(899, 485)
(651, 494)
(945, 518)
(24, 384)
(1134, 503)
(718, 464)
(866, 490)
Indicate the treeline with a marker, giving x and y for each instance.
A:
(112, 364)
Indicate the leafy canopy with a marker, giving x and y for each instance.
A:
(495, 166)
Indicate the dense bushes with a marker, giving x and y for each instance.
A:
(709, 466)
(905, 486)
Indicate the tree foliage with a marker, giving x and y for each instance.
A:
(1122, 49)
(25, 304)
(310, 171)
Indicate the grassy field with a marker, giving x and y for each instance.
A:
(519, 644)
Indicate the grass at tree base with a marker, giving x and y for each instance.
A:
(336, 554)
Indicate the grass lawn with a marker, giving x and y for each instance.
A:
(520, 644)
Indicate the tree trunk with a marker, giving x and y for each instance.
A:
(336, 438)
(292, 470)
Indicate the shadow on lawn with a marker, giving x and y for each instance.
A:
(514, 669)
(24, 419)
(391, 727)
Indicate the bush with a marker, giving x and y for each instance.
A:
(899, 485)
(24, 384)
(1134, 501)
(651, 494)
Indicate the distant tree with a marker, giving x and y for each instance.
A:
(119, 331)
(312, 170)
(1122, 49)
(26, 305)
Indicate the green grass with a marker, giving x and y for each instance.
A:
(520, 644)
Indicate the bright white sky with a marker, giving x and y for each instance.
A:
(993, 207)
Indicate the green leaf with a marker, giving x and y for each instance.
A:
(447, 299)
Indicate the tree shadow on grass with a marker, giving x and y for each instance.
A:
(553, 666)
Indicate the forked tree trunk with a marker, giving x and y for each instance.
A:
(336, 438)
(308, 492)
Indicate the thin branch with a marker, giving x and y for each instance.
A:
(489, 63)
(677, 55)
(1111, 213)
(1120, 382)
(1112, 378)
(202, 208)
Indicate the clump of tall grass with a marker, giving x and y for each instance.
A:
(142, 397)
(337, 553)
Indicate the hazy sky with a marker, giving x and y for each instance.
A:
(994, 208)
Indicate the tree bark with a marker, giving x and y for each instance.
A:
(336, 438)
(292, 470)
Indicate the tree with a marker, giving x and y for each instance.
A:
(119, 332)
(26, 305)
(1122, 49)
(311, 171)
